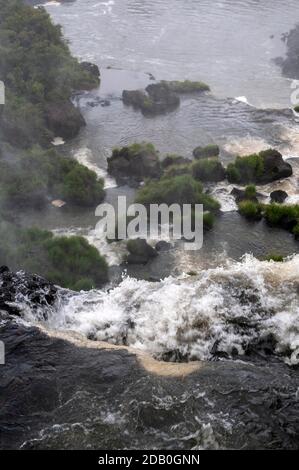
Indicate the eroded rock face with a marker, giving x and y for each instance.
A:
(64, 119)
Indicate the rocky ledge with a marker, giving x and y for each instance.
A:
(61, 391)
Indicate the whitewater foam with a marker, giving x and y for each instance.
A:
(227, 309)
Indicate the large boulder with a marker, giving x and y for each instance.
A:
(140, 252)
(278, 196)
(91, 68)
(156, 99)
(275, 167)
(262, 168)
(136, 162)
(64, 119)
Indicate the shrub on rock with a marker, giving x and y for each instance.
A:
(186, 86)
(82, 187)
(180, 189)
(283, 216)
(137, 161)
(250, 209)
(208, 170)
(259, 168)
(209, 151)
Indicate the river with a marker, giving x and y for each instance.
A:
(236, 312)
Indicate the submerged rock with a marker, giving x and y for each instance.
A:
(163, 246)
(140, 251)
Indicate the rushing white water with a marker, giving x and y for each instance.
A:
(229, 308)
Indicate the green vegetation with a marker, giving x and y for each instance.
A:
(173, 159)
(260, 168)
(208, 220)
(186, 86)
(295, 231)
(250, 191)
(177, 170)
(68, 261)
(274, 257)
(250, 209)
(137, 161)
(282, 215)
(40, 75)
(37, 69)
(209, 169)
(180, 189)
(211, 150)
(246, 169)
(81, 187)
(34, 175)
(135, 150)
(296, 109)
(276, 215)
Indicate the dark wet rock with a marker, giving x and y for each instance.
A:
(59, 394)
(241, 195)
(136, 162)
(163, 246)
(156, 99)
(173, 355)
(29, 289)
(212, 150)
(262, 168)
(92, 69)
(278, 196)
(140, 252)
(64, 119)
(275, 167)
(105, 103)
